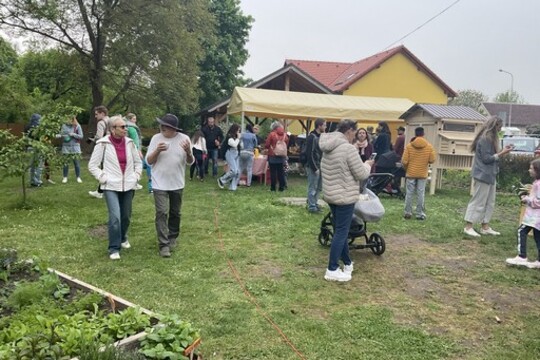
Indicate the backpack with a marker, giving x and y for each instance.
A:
(303, 158)
(281, 147)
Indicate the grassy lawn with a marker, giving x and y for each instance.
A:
(249, 273)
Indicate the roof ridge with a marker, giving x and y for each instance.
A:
(320, 61)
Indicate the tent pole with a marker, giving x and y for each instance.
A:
(242, 121)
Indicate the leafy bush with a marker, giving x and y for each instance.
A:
(513, 170)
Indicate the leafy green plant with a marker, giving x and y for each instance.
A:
(126, 322)
(168, 339)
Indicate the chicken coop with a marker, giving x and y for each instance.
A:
(451, 131)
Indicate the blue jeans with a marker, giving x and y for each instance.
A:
(339, 249)
(417, 186)
(246, 164)
(168, 205)
(76, 164)
(36, 166)
(212, 154)
(119, 205)
(233, 175)
(314, 182)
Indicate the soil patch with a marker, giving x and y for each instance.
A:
(99, 232)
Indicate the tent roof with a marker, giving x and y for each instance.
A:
(298, 105)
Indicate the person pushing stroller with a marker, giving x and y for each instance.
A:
(342, 170)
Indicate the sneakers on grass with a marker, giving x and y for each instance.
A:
(125, 245)
(220, 183)
(95, 194)
(348, 269)
(534, 265)
(489, 231)
(471, 232)
(79, 180)
(64, 180)
(337, 275)
(518, 261)
(114, 256)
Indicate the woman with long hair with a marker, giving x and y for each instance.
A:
(365, 148)
(232, 142)
(383, 142)
(487, 150)
(199, 151)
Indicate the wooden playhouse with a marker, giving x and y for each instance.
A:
(451, 130)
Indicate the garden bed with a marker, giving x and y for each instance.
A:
(45, 313)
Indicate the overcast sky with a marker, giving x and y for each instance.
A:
(465, 46)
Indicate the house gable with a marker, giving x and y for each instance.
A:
(398, 77)
(341, 77)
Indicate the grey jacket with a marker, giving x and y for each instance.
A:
(486, 162)
(341, 168)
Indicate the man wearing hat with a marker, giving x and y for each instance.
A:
(168, 153)
(399, 145)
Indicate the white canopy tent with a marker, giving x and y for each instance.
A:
(309, 106)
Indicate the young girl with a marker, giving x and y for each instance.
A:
(531, 220)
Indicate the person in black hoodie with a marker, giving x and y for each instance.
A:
(313, 166)
(213, 136)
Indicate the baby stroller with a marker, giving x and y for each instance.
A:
(390, 163)
(375, 242)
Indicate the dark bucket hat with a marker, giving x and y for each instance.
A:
(169, 120)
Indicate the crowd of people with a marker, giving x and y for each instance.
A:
(336, 163)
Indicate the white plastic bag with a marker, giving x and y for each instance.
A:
(369, 207)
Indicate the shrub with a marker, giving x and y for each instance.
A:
(513, 170)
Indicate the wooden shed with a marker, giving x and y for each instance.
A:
(451, 131)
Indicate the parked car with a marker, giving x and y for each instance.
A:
(523, 145)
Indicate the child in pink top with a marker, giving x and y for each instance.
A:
(531, 220)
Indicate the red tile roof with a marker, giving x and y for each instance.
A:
(338, 76)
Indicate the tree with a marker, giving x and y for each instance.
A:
(225, 53)
(124, 44)
(16, 158)
(8, 56)
(470, 98)
(509, 97)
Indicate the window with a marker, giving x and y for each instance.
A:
(458, 127)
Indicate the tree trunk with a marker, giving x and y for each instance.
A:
(97, 97)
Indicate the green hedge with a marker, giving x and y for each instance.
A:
(513, 170)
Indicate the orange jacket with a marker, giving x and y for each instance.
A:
(417, 156)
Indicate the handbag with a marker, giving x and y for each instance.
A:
(369, 206)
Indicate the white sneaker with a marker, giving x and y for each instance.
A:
(348, 269)
(471, 232)
(125, 245)
(489, 231)
(50, 181)
(533, 264)
(138, 187)
(337, 275)
(95, 194)
(79, 180)
(518, 260)
(114, 256)
(64, 180)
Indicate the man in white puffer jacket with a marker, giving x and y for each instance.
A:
(342, 170)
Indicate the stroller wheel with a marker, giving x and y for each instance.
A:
(377, 244)
(325, 237)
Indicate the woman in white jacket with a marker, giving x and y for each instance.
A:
(342, 170)
(116, 164)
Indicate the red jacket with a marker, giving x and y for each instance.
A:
(273, 137)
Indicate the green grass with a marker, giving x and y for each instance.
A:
(248, 264)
